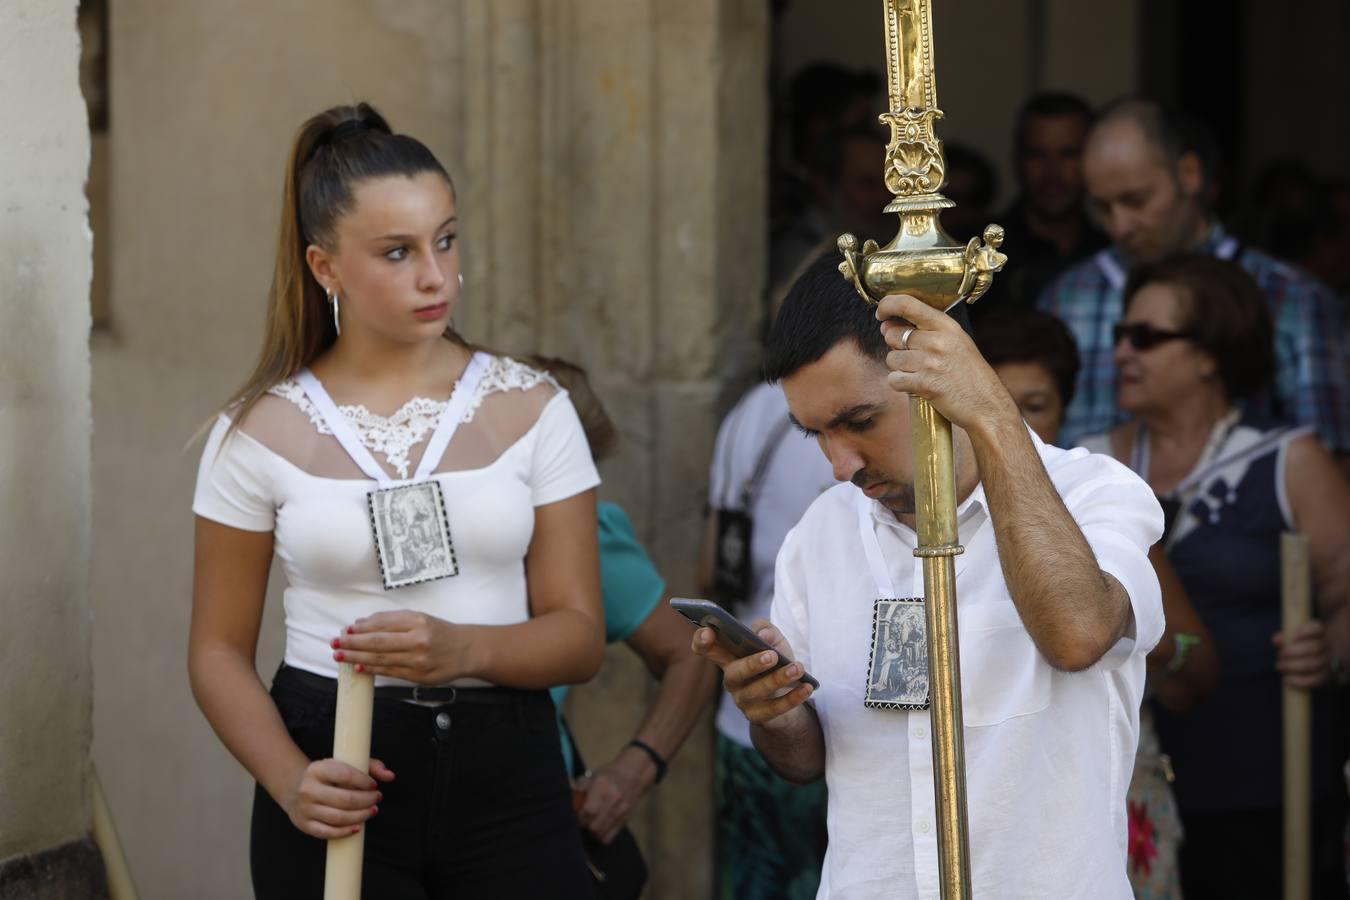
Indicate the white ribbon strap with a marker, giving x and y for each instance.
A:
(454, 412)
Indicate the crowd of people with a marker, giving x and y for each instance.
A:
(1119, 618)
(1213, 360)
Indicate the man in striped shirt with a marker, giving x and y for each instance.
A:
(1146, 187)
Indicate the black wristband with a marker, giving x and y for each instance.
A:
(657, 760)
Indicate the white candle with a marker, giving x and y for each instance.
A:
(1296, 608)
(351, 744)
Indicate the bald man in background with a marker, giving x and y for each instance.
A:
(1146, 179)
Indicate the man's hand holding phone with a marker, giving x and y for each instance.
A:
(763, 692)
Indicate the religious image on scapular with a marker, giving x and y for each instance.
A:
(898, 668)
(412, 534)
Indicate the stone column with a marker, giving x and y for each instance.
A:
(621, 151)
(608, 156)
(45, 266)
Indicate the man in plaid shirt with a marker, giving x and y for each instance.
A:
(1145, 183)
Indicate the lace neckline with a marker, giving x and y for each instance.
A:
(395, 436)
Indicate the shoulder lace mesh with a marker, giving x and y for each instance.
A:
(396, 435)
(505, 374)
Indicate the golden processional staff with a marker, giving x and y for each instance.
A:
(925, 262)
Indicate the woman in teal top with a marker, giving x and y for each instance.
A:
(636, 612)
(632, 589)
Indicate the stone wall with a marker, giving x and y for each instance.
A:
(45, 253)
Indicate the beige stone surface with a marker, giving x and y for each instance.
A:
(45, 267)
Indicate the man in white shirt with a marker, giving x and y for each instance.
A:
(1057, 608)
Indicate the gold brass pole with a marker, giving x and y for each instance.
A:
(935, 512)
(924, 261)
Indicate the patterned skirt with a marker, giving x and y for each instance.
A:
(1155, 830)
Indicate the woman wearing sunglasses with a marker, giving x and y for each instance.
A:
(1035, 356)
(1194, 347)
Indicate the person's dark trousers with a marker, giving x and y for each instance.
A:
(1240, 855)
(480, 806)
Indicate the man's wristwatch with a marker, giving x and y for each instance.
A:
(1184, 642)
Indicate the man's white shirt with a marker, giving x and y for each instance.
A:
(1049, 754)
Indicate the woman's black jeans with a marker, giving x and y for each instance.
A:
(480, 806)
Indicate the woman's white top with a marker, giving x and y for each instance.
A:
(520, 445)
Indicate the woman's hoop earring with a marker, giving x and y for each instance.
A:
(333, 300)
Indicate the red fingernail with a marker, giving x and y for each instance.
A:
(339, 656)
(360, 667)
(355, 829)
(337, 642)
(351, 630)
(379, 797)
(374, 811)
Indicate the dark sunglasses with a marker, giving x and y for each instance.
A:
(1143, 336)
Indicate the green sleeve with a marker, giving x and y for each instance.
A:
(629, 582)
(631, 587)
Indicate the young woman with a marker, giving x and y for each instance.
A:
(433, 507)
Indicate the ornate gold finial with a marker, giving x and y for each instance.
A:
(922, 259)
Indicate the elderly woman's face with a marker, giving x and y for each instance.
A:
(1156, 376)
(1037, 396)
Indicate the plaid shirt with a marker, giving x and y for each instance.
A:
(1310, 349)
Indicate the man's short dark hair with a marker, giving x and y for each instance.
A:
(1007, 336)
(821, 309)
(1049, 105)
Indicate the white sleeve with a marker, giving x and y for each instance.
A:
(234, 484)
(789, 613)
(561, 465)
(719, 472)
(1121, 519)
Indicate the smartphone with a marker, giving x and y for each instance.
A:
(732, 633)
